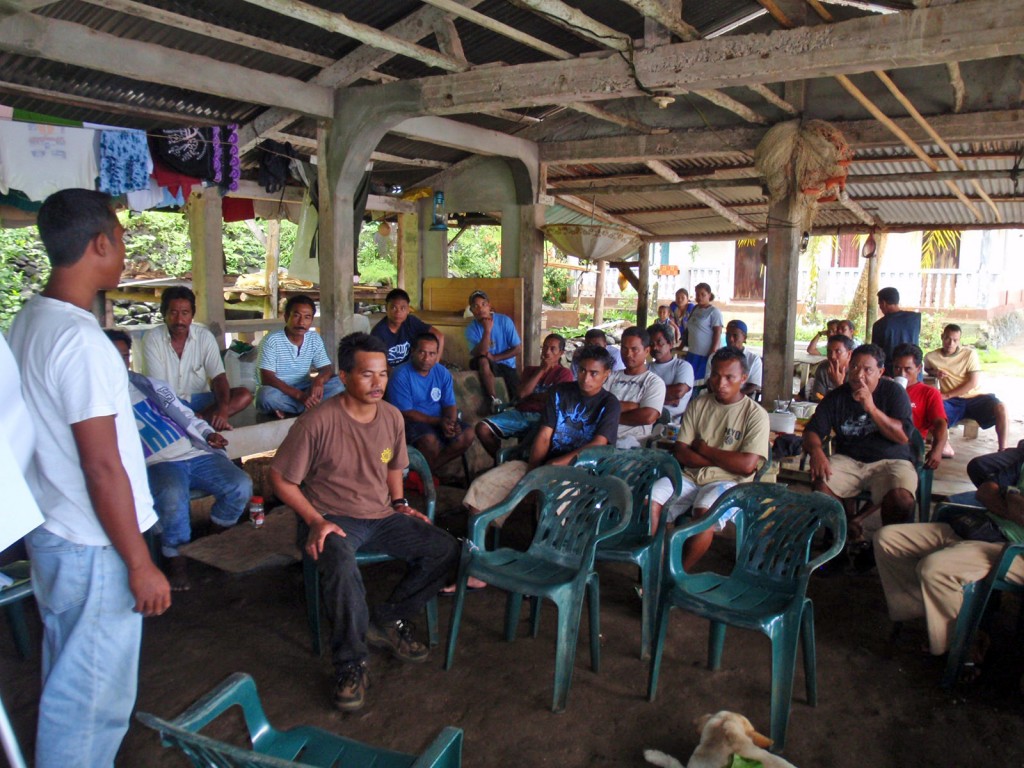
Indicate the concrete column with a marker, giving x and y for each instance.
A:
(206, 233)
(781, 279)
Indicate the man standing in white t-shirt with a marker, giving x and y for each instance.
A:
(91, 571)
(641, 393)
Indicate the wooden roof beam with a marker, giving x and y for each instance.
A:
(996, 125)
(188, 24)
(657, 11)
(715, 205)
(587, 208)
(30, 35)
(360, 63)
(610, 117)
(976, 30)
(455, 9)
(569, 18)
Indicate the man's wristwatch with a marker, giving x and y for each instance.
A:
(396, 503)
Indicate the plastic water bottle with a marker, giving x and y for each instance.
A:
(256, 514)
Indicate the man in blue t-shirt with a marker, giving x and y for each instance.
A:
(399, 328)
(493, 346)
(895, 327)
(422, 390)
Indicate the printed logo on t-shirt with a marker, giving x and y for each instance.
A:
(435, 394)
(858, 426)
(733, 435)
(398, 353)
(386, 455)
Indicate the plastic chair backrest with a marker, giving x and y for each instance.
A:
(577, 510)
(775, 528)
(639, 468)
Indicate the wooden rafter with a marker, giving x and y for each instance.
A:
(364, 33)
(716, 205)
(456, 9)
(656, 11)
(956, 82)
(573, 20)
(178, 21)
(975, 30)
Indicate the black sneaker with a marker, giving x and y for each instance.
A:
(397, 637)
(350, 690)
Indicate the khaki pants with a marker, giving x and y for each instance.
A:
(924, 566)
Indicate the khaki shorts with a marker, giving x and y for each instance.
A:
(850, 477)
(494, 486)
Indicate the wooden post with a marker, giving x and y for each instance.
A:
(781, 280)
(602, 268)
(273, 259)
(874, 268)
(531, 267)
(400, 253)
(644, 285)
(337, 247)
(206, 233)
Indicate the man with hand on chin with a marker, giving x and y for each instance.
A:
(286, 359)
(340, 469)
(872, 421)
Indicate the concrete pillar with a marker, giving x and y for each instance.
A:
(206, 233)
(781, 279)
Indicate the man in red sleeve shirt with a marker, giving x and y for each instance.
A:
(925, 402)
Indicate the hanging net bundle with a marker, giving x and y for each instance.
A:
(811, 158)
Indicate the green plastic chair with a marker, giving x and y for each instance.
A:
(576, 511)
(767, 589)
(11, 598)
(640, 469)
(311, 576)
(299, 746)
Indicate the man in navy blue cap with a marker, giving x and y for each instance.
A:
(736, 337)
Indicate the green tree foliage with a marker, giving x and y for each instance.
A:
(476, 253)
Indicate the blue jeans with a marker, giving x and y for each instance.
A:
(171, 482)
(431, 554)
(91, 638)
(199, 401)
(270, 399)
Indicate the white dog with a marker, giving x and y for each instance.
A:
(723, 735)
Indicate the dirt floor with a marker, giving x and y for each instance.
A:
(880, 703)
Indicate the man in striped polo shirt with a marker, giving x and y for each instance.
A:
(287, 357)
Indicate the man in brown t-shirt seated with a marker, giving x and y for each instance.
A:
(340, 468)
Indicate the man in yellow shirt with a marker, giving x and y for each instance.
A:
(958, 370)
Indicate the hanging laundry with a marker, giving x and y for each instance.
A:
(274, 160)
(210, 154)
(237, 209)
(227, 168)
(173, 180)
(42, 159)
(125, 162)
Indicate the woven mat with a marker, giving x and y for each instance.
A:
(244, 548)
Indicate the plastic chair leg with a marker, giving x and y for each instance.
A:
(660, 629)
(783, 668)
(716, 641)
(311, 581)
(810, 653)
(535, 605)
(649, 578)
(594, 605)
(19, 628)
(456, 618)
(513, 607)
(976, 597)
(432, 622)
(565, 652)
